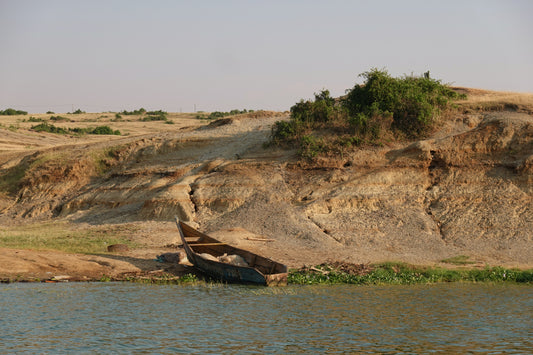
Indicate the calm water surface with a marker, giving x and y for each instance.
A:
(135, 318)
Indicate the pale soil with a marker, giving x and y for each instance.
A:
(468, 190)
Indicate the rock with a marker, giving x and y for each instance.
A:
(117, 248)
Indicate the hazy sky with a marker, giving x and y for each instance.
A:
(220, 55)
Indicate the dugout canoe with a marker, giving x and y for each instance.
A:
(260, 270)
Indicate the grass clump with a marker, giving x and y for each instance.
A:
(11, 178)
(62, 237)
(12, 112)
(59, 118)
(458, 260)
(382, 107)
(403, 274)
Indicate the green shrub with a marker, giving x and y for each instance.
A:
(59, 118)
(219, 114)
(104, 130)
(283, 131)
(310, 146)
(154, 118)
(50, 112)
(413, 102)
(140, 111)
(12, 112)
(78, 111)
(381, 108)
(34, 119)
(50, 128)
(322, 109)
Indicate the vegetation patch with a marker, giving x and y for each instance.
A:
(458, 260)
(60, 118)
(12, 112)
(10, 179)
(402, 274)
(159, 279)
(50, 128)
(140, 111)
(33, 119)
(155, 116)
(380, 109)
(219, 114)
(62, 237)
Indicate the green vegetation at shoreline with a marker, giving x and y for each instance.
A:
(404, 274)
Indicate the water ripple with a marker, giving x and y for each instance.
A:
(131, 318)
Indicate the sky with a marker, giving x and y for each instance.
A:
(182, 56)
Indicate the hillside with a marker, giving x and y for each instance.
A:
(465, 191)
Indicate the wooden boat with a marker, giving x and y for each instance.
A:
(260, 270)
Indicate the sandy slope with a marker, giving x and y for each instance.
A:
(465, 191)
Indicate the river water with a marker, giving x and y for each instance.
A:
(136, 318)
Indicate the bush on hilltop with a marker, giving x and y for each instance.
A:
(381, 107)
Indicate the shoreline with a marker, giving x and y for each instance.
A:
(335, 273)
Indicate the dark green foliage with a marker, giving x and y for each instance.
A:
(59, 118)
(322, 109)
(34, 119)
(381, 108)
(105, 130)
(140, 111)
(219, 114)
(284, 131)
(155, 116)
(50, 112)
(310, 146)
(12, 112)
(413, 102)
(78, 111)
(50, 128)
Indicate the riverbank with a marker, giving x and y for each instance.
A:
(161, 271)
(464, 191)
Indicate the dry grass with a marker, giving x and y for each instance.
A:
(485, 100)
(63, 237)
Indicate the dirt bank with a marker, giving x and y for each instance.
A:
(467, 190)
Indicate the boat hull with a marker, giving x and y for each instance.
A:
(262, 271)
